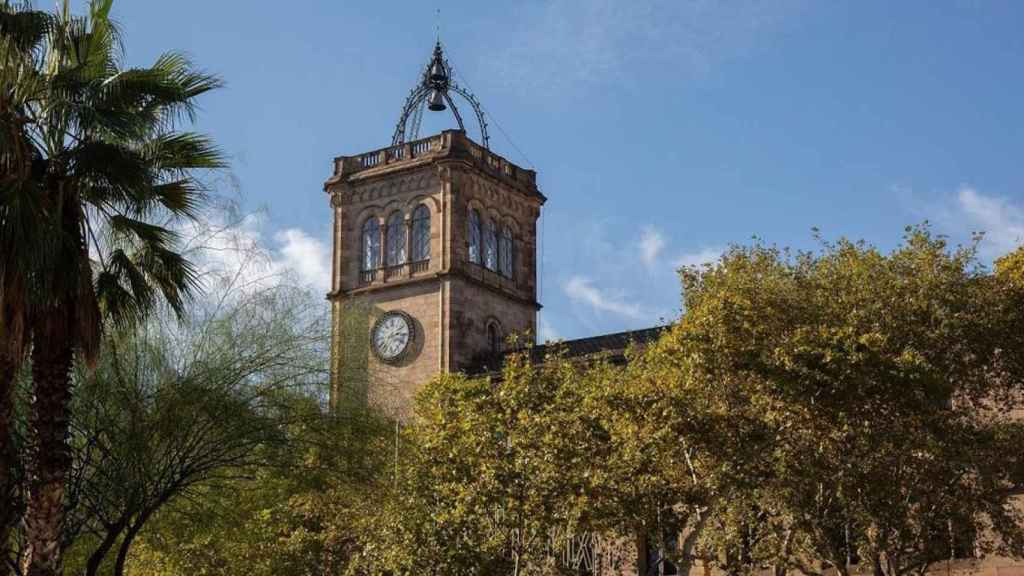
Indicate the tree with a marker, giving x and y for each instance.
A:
(1011, 267)
(173, 410)
(294, 516)
(98, 170)
(485, 480)
(541, 469)
(684, 452)
(880, 388)
(20, 33)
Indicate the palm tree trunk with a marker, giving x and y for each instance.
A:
(50, 457)
(8, 459)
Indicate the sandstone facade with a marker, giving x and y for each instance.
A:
(457, 304)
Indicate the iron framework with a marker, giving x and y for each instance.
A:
(436, 82)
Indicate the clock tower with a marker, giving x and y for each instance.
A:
(434, 258)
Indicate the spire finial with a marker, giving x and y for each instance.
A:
(437, 24)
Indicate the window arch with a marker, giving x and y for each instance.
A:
(474, 236)
(395, 237)
(505, 251)
(371, 244)
(493, 338)
(421, 233)
(490, 245)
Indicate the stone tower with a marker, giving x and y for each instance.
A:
(434, 263)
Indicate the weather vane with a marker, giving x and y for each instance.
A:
(434, 92)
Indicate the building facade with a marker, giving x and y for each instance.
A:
(434, 259)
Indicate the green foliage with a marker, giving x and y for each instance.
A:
(89, 136)
(1011, 268)
(293, 517)
(809, 411)
(482, 478)
(874, 391)
(93, 176)
(499, 474)
(354, 372)
(175, 412)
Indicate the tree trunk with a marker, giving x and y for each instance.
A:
(8, 460)
(50, 457)
(640, 538)
(126, 543)
(92, 567)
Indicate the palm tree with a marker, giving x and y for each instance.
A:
(20, 32)
(87, 209)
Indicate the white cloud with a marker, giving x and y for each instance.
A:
(701, 257)
(582, 290)
(651, 244)
(1001, 220)
(308, 257)
(614, 286)
(233, 255)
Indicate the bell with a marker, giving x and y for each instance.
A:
(435, 102)
(437, 72)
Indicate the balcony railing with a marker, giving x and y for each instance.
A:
(388, 155)
(448, 142)
(392, 272)
(491, 277)
(396, 272)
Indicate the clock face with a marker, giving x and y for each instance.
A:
(392, 335)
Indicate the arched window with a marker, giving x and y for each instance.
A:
(490, 245)
(421, 234)
(505, 252)
(371, 244)
(493, 338)
(396, 240)
(474, 236)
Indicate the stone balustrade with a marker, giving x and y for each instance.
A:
(450, 143)
(401, 271)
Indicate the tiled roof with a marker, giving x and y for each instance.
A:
(610, 346)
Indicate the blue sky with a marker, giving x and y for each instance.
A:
(662, 131)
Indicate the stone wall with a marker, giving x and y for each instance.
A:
(452, 300)
(474, 305)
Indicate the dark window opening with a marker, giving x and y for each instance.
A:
(421, 234)
(474, 236)
(493, 339)
(371, 244)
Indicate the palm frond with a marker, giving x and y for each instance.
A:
(99, 143)
(111, 164)
(137, 181)
(128, 285)
(183, 151)
(133, 230)
(178, 69)
(122, 291)
(175, 277)
(139, 102)
(23, 29)
(180, 197)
